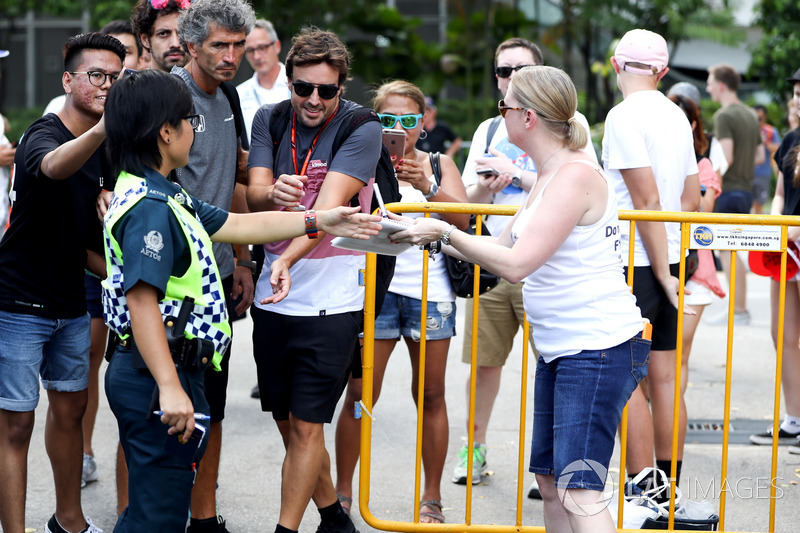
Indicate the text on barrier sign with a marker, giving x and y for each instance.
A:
(735, 237)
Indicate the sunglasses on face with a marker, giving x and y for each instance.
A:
(503, 108)
(325, 91)
(505, 72)
(408, 122)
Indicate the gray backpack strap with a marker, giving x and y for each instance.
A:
(491, 131)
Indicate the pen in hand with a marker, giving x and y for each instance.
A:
(197, 416)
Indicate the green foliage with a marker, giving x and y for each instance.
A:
(777, 54)
(385, 46)
(20, 119)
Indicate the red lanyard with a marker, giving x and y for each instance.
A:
(313, 143)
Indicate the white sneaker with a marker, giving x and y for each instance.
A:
(478, 464)
(795, 448)
(740, 318)
(533, 491)
(52, 526)
(89, 472)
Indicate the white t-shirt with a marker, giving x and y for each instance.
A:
(408, 269)
(252, 96)
(578, 300)
(648, 130)
(55, 105)
(4, 185)
(510, 195)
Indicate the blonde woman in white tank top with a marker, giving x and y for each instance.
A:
(564, 243)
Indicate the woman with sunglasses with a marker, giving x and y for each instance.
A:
(163, 297)
(400, 106)
(564, 242)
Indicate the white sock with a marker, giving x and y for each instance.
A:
(791, 424)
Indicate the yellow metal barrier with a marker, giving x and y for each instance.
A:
(685, 220)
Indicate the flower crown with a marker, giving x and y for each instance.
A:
(161, 4)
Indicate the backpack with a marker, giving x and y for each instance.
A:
(491, 131)
(229, 90)
(385, 178)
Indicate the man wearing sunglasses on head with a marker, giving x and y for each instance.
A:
(497, 172)
(304, 345)
(44, 324)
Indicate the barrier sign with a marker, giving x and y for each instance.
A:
(735, 237)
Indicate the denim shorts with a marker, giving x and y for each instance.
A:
(578, 403)
(401, 317)
(30, 346)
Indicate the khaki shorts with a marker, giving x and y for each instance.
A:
(500, 316)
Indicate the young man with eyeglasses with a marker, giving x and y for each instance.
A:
(304, 345)
(500, 312)
(213, 32)
(44, 325)
(268, 84)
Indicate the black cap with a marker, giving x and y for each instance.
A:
(795, 77)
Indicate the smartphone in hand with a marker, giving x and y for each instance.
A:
(486, 172)
(395, 142)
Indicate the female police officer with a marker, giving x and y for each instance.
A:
(163, 296)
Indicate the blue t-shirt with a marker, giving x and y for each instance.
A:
(153, 244)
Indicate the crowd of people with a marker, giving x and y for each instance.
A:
(187, 171)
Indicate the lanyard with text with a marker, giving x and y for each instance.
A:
(302, 171)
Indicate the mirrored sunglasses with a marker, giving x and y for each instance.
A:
(408, 122)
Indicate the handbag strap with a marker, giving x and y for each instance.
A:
(436, 166)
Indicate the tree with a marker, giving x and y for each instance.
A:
(588, 27)
(777, 55)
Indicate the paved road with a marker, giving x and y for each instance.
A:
(249, 484)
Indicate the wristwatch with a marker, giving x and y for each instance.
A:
(311, 224)
(516, 181)
(434, 190)
(446, 235)
(246, 263)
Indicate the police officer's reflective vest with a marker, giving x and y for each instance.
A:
(201, 281)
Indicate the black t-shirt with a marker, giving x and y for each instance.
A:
(53, 222)
(786, 163)
(436, 138)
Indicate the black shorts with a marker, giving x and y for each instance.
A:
(94, 296)
(656, 307)
(303, 362)
(217, 382)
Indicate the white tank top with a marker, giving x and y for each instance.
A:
(407, 280)
(578, 299)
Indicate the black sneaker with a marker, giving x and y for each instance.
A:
(533, 491)
(53, 526)
(784, 437)
(327, 527)
(207, 525)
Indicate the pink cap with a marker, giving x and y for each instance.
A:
(645, 47)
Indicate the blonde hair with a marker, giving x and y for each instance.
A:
(399, 88)
(550, 93)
